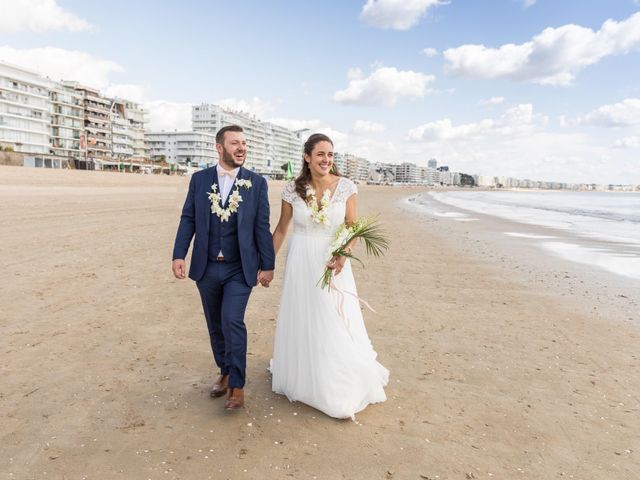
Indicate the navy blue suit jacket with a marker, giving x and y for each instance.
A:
(254, 235)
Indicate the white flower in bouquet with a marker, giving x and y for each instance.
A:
(365, 228)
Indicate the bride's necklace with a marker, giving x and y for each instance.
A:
(318, 213)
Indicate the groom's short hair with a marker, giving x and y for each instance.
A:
(228, 128)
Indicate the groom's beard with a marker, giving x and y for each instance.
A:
(230, 160)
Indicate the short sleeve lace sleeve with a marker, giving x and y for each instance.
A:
(289, 192)
(346, 188)
(351, 189)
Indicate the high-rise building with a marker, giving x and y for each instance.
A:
(340, 162)
(97, 141)
(408, 173)
(183, 148)
(433, 163)
(25, 110)
(269, 146)
(357, 168)
(136, 118)
(67, 121)
(284, 145)
(127, 119)
(446, 177)
(122, 142)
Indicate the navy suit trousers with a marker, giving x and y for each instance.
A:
(225, 294)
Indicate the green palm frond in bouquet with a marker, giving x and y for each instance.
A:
(366, 229)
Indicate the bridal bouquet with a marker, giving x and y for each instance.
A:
(365, 228)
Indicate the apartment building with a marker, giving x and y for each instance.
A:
(269, 146)
(183, 148)
(25, 110)
(136, 118)
(121, 140)
(357, 168)
(96, 141)
(408, 173)
(67, 121)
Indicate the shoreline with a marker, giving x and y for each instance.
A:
(518, 247)
(496, 372)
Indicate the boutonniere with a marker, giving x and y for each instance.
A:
(234, 199)
(243, 183)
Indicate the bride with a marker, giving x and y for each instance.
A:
(322, 354)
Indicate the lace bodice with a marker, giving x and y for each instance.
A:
(302, 222)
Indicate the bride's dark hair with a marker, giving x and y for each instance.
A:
(304, 178)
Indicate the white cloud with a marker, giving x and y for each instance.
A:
(622, 114)
(628, 142)
(552, 57)
(520, 144)
(492, 101)
(168, 116)
(515, 121)
(529, 3)
(255, 106)
(60, 64)
(38, 16)
(396, 14)
(430, 52)
(385, 86)
(445, 130)
(365, 127)
(537, 155)
(135, 93)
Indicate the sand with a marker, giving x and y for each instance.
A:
(106, 365)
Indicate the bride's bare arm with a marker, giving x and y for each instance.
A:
(280, 233)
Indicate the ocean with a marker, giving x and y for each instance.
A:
(610, 221)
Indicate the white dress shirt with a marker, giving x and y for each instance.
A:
(226, 178)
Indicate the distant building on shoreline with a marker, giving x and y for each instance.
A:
(269, 146)
(68, 121)
(183, 148)
(25, 110)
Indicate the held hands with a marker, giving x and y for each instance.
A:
(179, 268)
(265, 277)
(336, 264)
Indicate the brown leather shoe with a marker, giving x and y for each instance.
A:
(235, 401)
(220, 387)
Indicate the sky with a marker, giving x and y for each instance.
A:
(537, 89)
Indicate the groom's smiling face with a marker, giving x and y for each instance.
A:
(233, 151)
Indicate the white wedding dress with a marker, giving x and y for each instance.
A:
(320, 357)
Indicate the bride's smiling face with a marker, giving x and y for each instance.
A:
(321, 159)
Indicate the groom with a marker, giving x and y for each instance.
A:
(227, 209)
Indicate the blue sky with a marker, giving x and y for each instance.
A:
(544, 89)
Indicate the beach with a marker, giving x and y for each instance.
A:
(505, 362)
